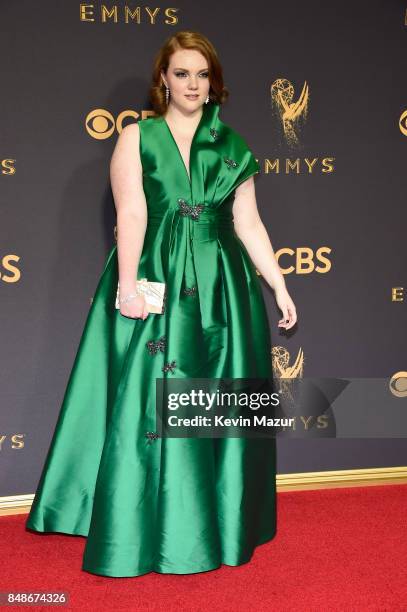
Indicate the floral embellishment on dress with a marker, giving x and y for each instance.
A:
(214, 133)
(155, 346)
(190, 290)
(192, 211)
(151, 435)
(169, 367)
(230, 162)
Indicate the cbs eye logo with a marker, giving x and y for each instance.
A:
(398, 384)
(403, 123)
(100, 123)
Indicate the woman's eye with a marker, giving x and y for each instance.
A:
(204, 74)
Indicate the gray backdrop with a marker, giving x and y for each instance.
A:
(57, 212)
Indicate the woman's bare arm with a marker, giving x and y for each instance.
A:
(131, 208)
(126, 177)
(251, 231)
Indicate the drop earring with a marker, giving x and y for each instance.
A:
(207, 99)
(167, 94)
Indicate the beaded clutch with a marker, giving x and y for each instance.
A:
(154, 293)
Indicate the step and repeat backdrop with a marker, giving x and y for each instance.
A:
(319, 93)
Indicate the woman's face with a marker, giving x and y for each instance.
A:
(187, 78)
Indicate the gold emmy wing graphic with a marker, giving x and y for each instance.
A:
(282, 370)
(288, 111)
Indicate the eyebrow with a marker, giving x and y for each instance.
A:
(185, 70)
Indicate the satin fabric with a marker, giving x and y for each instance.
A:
(146, 503)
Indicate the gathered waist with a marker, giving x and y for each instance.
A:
(198, 217)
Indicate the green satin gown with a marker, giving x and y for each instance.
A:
(148, 503)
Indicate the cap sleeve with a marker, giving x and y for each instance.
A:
(237, 159)
(249, 166)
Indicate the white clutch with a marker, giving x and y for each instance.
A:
(154, 294)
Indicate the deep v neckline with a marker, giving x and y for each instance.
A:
(187, 170)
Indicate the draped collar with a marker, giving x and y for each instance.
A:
(206, 131)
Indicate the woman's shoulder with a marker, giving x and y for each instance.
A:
(142, 124)
(233, 137)
(131, 131)
(238, 150)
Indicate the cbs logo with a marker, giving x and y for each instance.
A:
(6, 265)
(403, 122)
(304, 260)
(398, 384)
(100, 123)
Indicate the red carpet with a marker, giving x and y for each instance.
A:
(336, 549)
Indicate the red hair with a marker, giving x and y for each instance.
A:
(186, 39)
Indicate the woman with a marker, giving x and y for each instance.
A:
(183, 188)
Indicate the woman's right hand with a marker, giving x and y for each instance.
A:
(135, 309)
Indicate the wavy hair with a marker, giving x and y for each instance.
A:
(186, 39)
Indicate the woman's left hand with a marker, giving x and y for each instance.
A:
(287, 307)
